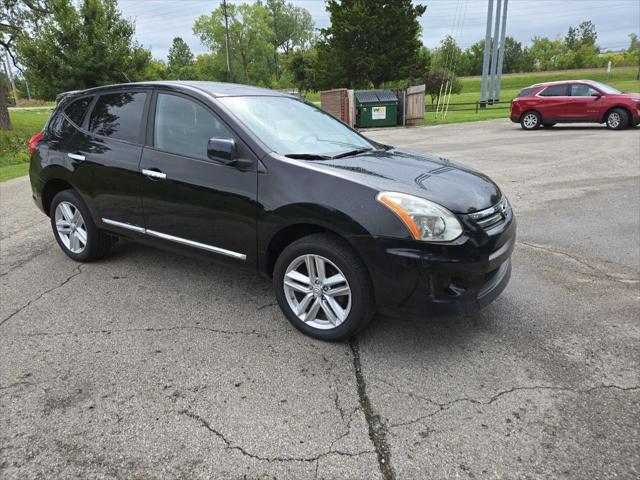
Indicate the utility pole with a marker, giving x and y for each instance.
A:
(494, 53)
(275, 32)
(226, 36)
(496, 88)
(10, 75)
(485, 58)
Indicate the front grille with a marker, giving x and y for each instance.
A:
(493, 216)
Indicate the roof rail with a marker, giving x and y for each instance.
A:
(62, 95)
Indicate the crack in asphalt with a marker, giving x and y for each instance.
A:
(230, 446)
(377, 430)
(15, 384)
(580, 261)
(150, 329)
(77, 271)
(443, 406)
(26, 260)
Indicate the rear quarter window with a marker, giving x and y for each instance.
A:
(59, 124)
(77, 108)
(527, 91)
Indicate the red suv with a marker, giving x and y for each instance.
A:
(575, 101)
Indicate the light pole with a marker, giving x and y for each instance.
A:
(485, 58)
(496, 88)
(494, 53)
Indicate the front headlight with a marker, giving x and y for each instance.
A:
(425, 220)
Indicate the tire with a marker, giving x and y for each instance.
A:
(71, 223)
(314, 298)
(617, 119)
(548, 125)
(530, 120)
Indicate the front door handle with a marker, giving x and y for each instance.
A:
(154, 174)
(75, 156)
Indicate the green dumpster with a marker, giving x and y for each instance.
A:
(376, 108)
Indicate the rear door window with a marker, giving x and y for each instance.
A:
(118, 115)
(527, 91)
(582, 90)
(184, 127)
(554, 91)
(76, 109)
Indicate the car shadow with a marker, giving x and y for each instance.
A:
(415, 333)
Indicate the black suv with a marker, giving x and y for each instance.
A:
(341, 223)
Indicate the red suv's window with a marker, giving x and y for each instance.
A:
(527, 91)
(555, 91)
(582, 90)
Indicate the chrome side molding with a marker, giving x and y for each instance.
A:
(128, 226)
(171, 238)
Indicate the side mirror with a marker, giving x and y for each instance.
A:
(224, 150)
(596, 94)
(221, 150)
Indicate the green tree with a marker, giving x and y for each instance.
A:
(77, 48)
(545, 54)
(250, 37)
(155, 70)
(438, 83)
(18, 18)
(211, 67)
(301, 64)
(449, 56)
(370, 42)
(513, 59)
(291, 26)
(180, 60)
(474, 56)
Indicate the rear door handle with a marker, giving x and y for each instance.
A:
(154, 174)
(75, 156)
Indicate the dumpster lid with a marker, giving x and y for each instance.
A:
(375, 96)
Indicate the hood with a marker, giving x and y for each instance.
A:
(629, 95)
(455, 187)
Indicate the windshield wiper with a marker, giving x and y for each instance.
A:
(308, 156)
(352, 152)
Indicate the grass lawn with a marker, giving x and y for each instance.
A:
(14, 144)
(623, 78)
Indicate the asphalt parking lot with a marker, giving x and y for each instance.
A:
(149, 365)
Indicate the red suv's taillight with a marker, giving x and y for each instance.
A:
(33, 141)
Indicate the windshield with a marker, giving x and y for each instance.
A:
(292, 127)
(605, 88)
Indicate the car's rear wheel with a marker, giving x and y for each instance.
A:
(530, 120)
(617, 119)
(75, 230)
(323, 287)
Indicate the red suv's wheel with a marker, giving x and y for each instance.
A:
(617, 119)
(530, 120)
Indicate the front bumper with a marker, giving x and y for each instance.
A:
(458, 278)
(515, 118)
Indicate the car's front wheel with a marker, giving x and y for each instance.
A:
(617, 119)
(74, 229)
(530, 120)
(323, 287)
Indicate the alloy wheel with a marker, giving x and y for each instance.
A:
(530, 120)
(317, 291)
(614, 120)
(71, 228)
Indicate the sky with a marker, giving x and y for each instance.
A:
(159, 21)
